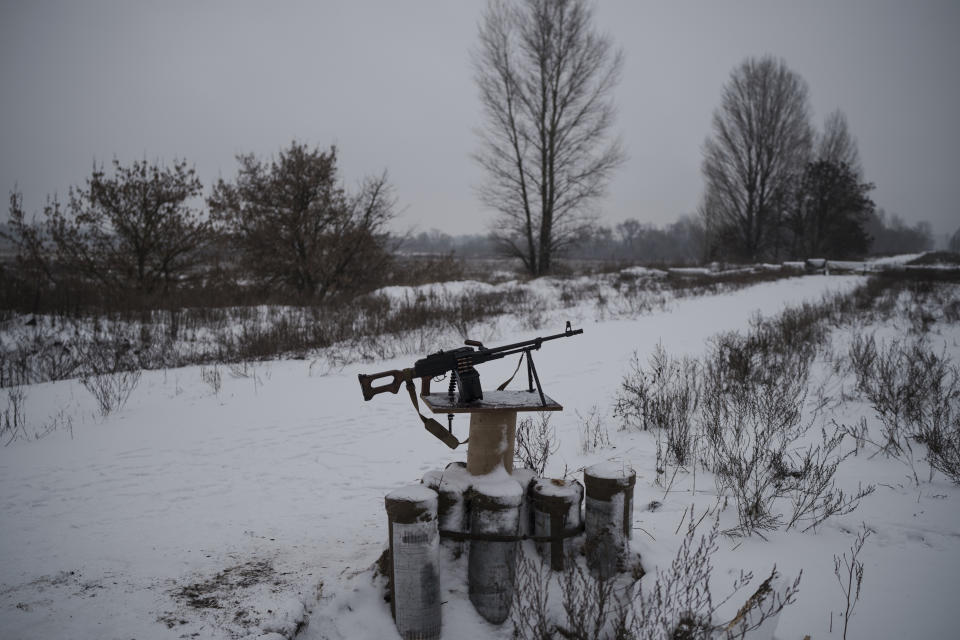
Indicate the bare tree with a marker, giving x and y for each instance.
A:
(296, 227)
(545, 78)
(760, 143)
(837, 146)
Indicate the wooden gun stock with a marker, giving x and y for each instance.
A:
(366, 382)
(398, 378)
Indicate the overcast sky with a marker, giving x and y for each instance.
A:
(389, 82)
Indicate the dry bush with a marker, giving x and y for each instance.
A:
(681, 605)
(943, 446)
(807, 479)
(211, 376)
(915, 394)
(593, 432)
(111, 371)
(663, 396)
(750, 415)
(849, 573)
(577, 605)
(596, 608)
(111, 390)
(13, 423)
(739, 411)
(535, 442)
(530, 611)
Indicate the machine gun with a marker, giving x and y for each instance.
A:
(464, 378)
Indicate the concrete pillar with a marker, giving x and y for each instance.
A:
(556, 510)
(608, 516)
(525, 478)
(492, 441)
(452, 485)
(414, 568)
(494, 512)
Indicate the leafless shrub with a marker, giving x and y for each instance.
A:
(577, 605)
(13, 423)
(573, 604)
(681, 605)
(111, 390)
(530, 611)
(243, 369)
(951, 312)
(915, 394)
(60, 420)
(664, 395)
(863, 357)
(593, 432)
(594, 608)
(247, 370)
(111, 372)
(943, 445)
(211, 376)
(533, 312)
(939, 427)
(849, 573)
(739, 411)
(36, 356)
(807, 479)
(749, 416)
(859, 432)
(535, 442)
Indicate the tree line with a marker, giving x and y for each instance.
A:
(288, 230)
(683, 242)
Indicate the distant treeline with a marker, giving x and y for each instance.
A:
(679, 243)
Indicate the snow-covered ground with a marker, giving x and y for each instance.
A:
(256, 505)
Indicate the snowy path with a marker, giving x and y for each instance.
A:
(291, 468)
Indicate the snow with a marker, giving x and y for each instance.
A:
(437, 289)
(691, 271)
(556, 488)
(609, 471)
(500, 485)
(270, 492)
(896, 260)
(643, 271)
(415, 493)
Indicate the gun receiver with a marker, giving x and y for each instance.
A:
(465, 379)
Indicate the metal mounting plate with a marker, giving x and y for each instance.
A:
(492, 401)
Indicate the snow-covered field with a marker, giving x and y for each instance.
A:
(255, 506)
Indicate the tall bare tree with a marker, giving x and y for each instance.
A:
(546, 78)
(761, 141)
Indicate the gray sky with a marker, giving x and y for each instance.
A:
(390, 83)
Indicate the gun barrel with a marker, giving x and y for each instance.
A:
(517, 347)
